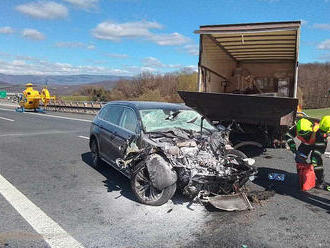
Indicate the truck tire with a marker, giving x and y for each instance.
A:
(144, 191)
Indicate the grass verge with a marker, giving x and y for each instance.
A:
(317, 113)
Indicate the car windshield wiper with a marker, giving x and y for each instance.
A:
(173, 115)
(193, 120)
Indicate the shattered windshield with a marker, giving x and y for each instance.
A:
(157, 119)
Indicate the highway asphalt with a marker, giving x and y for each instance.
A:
(46, 158)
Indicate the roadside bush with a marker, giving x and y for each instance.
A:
(313, 90)
(314, 85)
(145, 87)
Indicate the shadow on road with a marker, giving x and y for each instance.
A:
(290, 187)
(115, 180)
(118, 182)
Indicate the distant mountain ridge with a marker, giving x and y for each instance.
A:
(58, 79)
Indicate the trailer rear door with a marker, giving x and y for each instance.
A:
(265, 52)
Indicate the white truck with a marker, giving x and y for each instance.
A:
(248, 73)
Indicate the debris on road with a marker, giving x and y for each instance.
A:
(257, 196)
(234, 202)
(276, 176)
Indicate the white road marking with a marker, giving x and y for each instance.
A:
(3, 118)
(53, 234)
(83, 137)
(327, 154)
(11, 110)
(38, 133)
(52, 116)
(9, 105)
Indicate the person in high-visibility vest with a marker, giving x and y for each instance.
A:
(313, 137)
(325, 125)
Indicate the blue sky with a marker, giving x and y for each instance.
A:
(126, 37)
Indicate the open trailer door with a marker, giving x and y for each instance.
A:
(259, 58)
(248, 73)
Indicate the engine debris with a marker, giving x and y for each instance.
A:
(204, 168)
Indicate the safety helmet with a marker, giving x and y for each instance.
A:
(325, 124)
(304, 127)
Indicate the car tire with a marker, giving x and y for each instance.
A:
(96, 160)
(144, 191)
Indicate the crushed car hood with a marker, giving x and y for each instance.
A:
(242, 108)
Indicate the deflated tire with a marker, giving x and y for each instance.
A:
(145, 190)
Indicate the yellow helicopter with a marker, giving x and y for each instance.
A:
(31, 99)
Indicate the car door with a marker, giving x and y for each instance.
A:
(127, 131)
(108, 130)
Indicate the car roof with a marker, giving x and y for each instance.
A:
(140, 105)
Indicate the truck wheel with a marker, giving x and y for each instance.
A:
(145, 192)
(96, 160)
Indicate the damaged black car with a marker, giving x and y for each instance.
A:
(162, 147)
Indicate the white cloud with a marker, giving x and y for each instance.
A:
(116, 55)
(6, 30)
(83, 4)
(70, 44)
(190, 68)
(115, 32)
(192, 49)
(18, 62)
(44, 67)
(173, 39)
(132, 30)
(28, 65)
(304, 22)
(139, 69)
(26, 58)
(91, 47)
(324, 45)
(43, 10)
(32, 34)
(323, 26)
(152, 62)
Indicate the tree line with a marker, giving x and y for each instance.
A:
(313, 87)
(145, 87)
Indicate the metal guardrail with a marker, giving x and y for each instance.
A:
(89, 107)
(74, 106)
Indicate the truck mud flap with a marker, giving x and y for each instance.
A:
(235, 202)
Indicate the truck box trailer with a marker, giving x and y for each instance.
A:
(248, 73)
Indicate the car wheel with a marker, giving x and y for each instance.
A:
(96, 160)
(145, 192)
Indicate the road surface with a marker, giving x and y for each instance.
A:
(50, 196)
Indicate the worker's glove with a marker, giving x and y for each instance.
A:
(300, 158)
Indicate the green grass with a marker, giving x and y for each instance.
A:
(317, 113)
